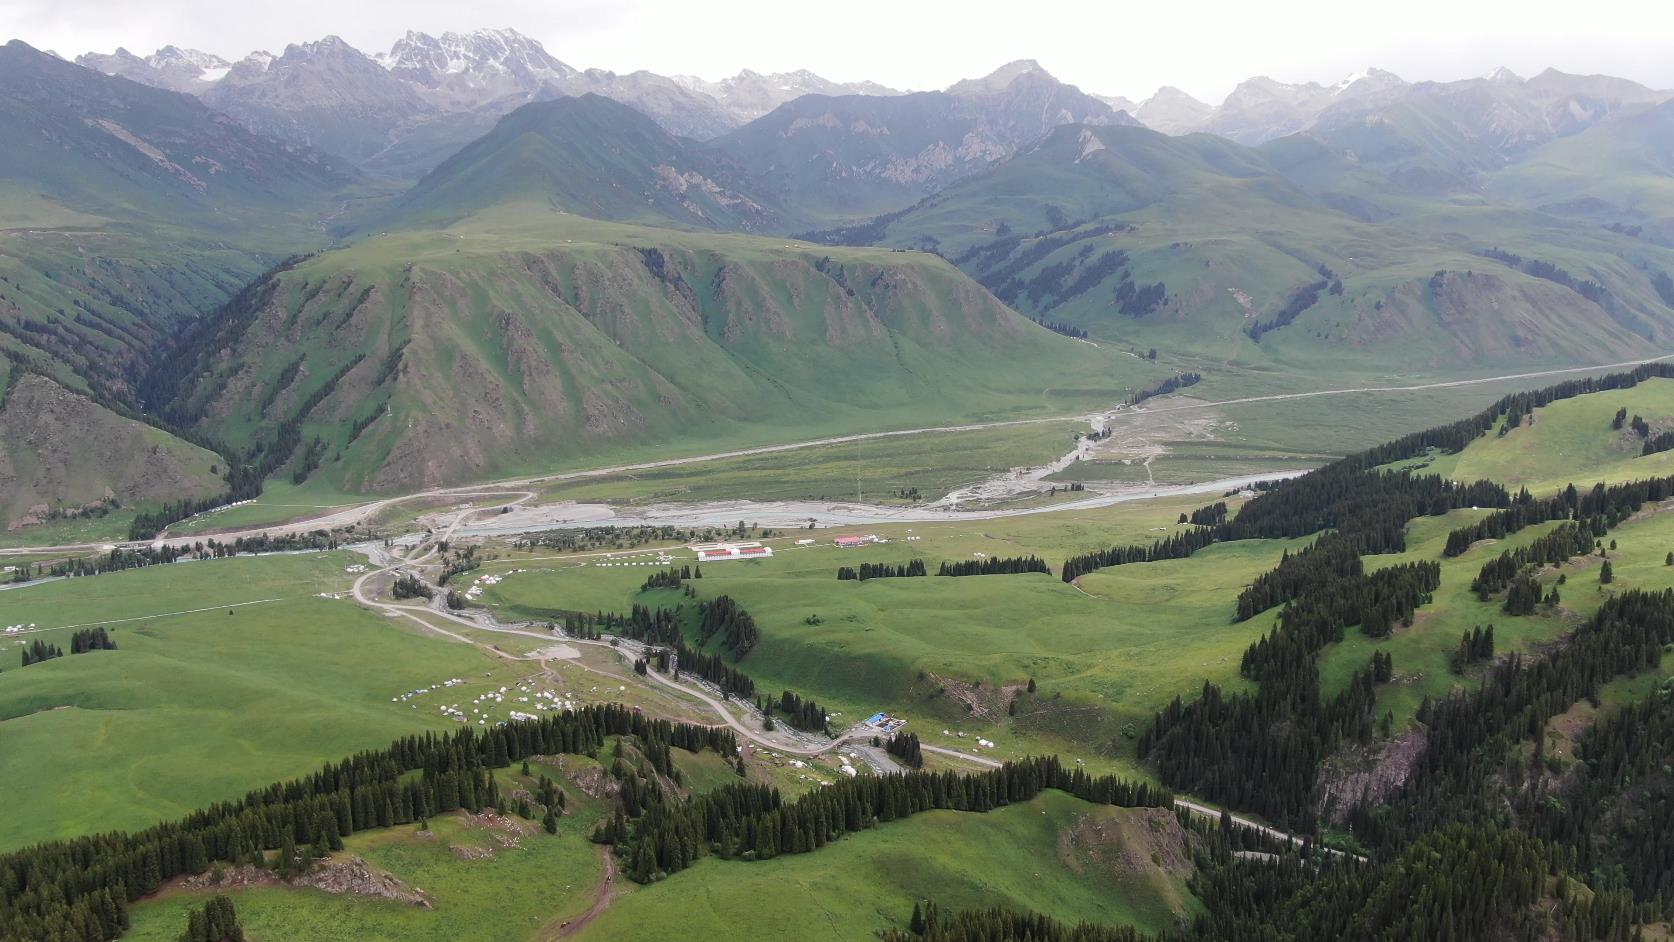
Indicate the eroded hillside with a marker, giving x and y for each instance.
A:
(433, 359)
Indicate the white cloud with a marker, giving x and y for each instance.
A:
(1110, 47)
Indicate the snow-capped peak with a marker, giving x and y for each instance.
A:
(1349, 80)
(480, 54)
(176, 56)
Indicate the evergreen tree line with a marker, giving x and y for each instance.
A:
(1210, 516)
(1165, 386)
(802, 714)
(1177, 546)
(1369, 509)
(264, 458)
(1059, 327)
(907, 748)
(1285, 893)
(1475, 646)
(1320, 614)
(1002, 264)
(78, 889)
(1566, 541)
(122, 558)
(754, 822)
(914, 567)
(1262, 751)
(654, 627)
(994, 566)
(37, 651)
(1303, 298)
(1591, 290)
(148, 523)
(1524, 594)
(670, 578)
(1454, 436)
(1460, 883)
(214, 921)
(91, 639)
(710, 667)
(725, 617)
(1330, 558)
(1472, 732)
(1600, 507)
(1617, 806)
(1003, 925)
(1662, 441)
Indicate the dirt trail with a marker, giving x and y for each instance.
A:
(607, 893)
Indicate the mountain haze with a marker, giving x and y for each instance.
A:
(590, 156)
(853, 156)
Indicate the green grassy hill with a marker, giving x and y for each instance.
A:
(65, 458)
(129, 211)
(589, 156)
(523, 340)
(1619, 172)
(1286, 258)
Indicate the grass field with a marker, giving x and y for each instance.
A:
(1566, 442)
(194, 708)
(200, 705)
(877, 470)
(1054, 853)
(512, 894)
(1030, 856)
(1571, 442)
(950, 653)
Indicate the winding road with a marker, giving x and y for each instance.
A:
(785, 741)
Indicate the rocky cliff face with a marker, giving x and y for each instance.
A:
(749, 95)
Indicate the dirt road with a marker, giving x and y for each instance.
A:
(607, 892)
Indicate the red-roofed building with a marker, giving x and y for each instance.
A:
(849, 542)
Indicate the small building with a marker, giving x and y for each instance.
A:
(720, 552)
(850, 542)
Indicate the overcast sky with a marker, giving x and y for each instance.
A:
(1107, 46)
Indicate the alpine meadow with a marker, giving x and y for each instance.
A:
(451, 494)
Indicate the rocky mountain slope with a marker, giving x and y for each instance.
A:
(749, 95)
(854, 155)
(400, 113)
(592, 157)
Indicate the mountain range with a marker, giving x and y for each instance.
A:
(400, 112)
(464, 257)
